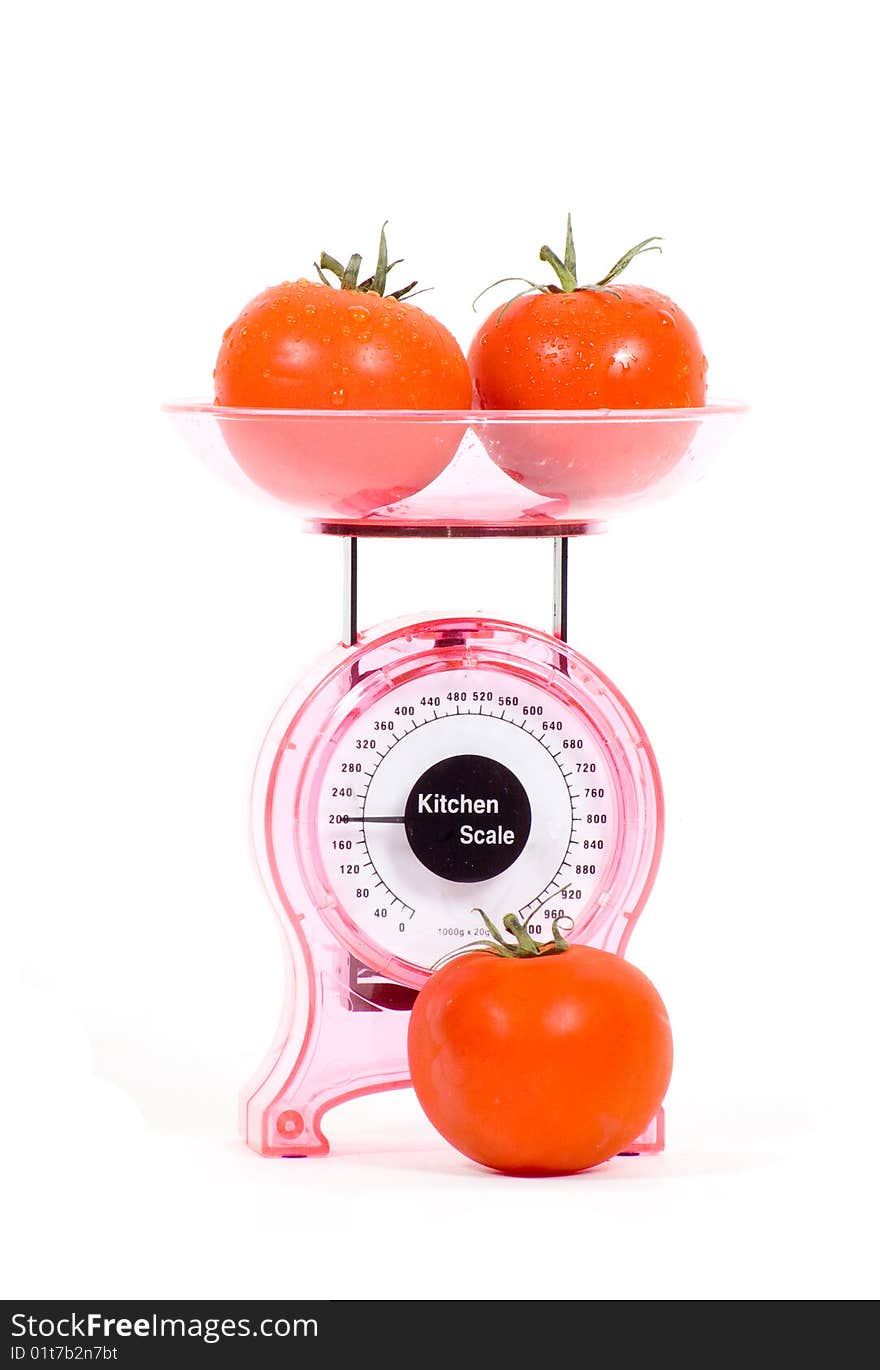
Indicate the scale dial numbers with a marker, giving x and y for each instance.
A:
(459, 789)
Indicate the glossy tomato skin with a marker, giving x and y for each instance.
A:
(589, 349)
(540, 1066)
(304, 345)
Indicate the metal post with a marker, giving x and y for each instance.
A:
(560, 588)
(350, 601)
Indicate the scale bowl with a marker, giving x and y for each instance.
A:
(398, 472)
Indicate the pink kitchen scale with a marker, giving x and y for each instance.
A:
(427, 768)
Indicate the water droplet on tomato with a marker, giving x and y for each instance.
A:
(357, 313)
(338, 397)
(310, 309)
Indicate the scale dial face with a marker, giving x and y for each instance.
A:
(461, 765)
(463, 789)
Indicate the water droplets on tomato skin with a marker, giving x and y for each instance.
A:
(337, 397)
(358, 314)
(310, 309)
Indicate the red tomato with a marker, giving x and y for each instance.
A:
(597, 346)
(307, 345)
(589, 349)
(544, 1065)
(601, 346)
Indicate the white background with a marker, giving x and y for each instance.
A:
(165, 163)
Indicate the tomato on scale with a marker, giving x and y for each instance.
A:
(589, 351)
(600, 346)
(340, 350)
(309, 345)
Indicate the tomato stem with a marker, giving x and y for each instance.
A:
(565, 269)
(646, 245)
(347, 276)
(524, 946)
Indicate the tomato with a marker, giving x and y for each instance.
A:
(602, 346)
(304, 345)
(589, 349)
(308, 345)
(543, 1064)
(572, 346)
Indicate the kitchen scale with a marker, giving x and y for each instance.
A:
(429, 768)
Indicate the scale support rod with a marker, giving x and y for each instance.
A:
(350, 599)
(560, 588)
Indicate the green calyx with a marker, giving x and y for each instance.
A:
(347, 276)
(565, 268)
(523, 945)
(522, 948)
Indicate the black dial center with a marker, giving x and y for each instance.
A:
(467, 818)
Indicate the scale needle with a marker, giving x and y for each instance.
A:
(364, 819)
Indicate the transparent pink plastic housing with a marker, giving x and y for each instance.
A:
(343, 1034)
(522, 471)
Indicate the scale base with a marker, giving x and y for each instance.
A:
(314, 1142)
(359, 1048)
